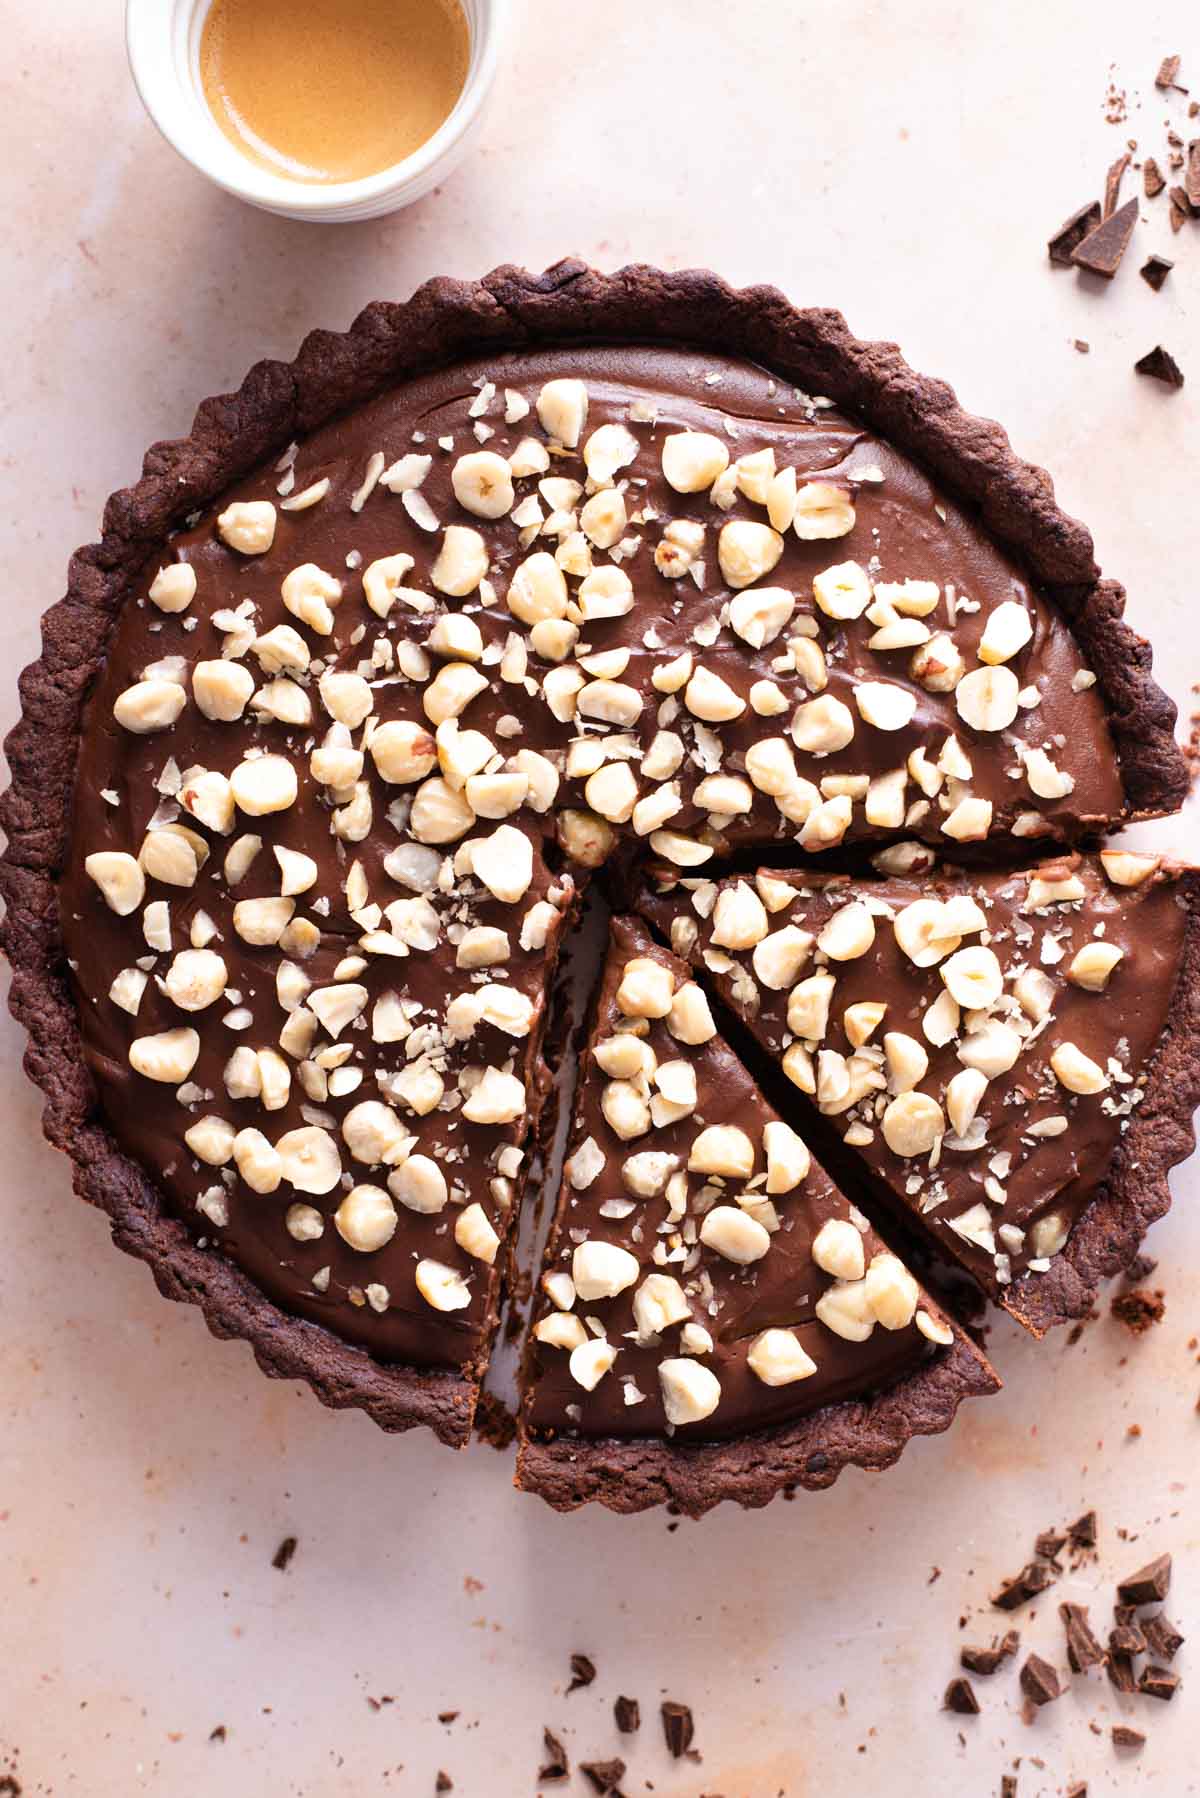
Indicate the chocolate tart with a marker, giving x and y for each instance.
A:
(249, 698)
(735, 1301)
(1008, 1058)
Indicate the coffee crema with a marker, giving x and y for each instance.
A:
(332, 90)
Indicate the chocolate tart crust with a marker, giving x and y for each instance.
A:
(231, 435)
(628, 1476)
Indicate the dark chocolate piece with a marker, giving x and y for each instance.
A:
(1072, 231)
(1083, 1531)
(556, 1764)
(603, 1776)
(627, 1713)
(1083, 1650)
(443, 1782)
(1191, 180)
(583, 1672)
(1033, 1578)
(678, 1726)
(1160, 365)
(1168, 69)
(1126, 1639)
(1008, 1785)
(1155, 270)
(1181, 207)
(1120, 1672)
(1124, 1736)
(1159, 1682)
(1102, 249)
(281, 1560)
(1163, 1639)
(1039, 1681)
(1153, 179)
(1112, 184)
(960, 1697)
(1049, 1544)
(1149, 1585)
(988, 1660)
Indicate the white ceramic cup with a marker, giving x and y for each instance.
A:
(163, 41)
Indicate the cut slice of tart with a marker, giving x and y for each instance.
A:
(1011, 1057)
(717, 1320)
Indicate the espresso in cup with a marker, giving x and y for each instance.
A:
(332, 90)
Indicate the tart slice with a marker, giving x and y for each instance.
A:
(717, 1320)
(1011, 1058)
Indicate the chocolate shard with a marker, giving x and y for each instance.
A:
(1155, 270)
(1160, 365)
(1191, 179)
(1083, 1650)
(603, 1776)
(1120, 1672)
(1153, 179)
(1050, 1543)
(1159, 1682)
(1125, 1737)
(1149, 1585)
(1072, 231)
(556, 1766)
(1032, 1579)
(1083, 1532)
(678, 1726)
(988, 1660)
(1039, 1681)
(1163, 1640)
(583, 1672)
(960, 1698)
(1102, 250)
(627, 1714)
(1112, 184)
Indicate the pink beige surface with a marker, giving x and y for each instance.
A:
(147, 1473)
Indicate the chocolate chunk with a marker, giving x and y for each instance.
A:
(1039, 1681)
(583, 1672)
(1181, 208)
(281, 1560)
(960, 1697)
(1160, 365)
(988, 1660)
(1155, 270)
(1163, 1640)
(1159, 1682)
(1083, 1650)
(1139, 1310)
(1191, 180)
(1168, 68)
(1149, 1585)
(1126, 1639)
(557, 1766)
(1072, 231)
(1153, 179)
(603, 1776)
(1083, 1531)
(1112, 184)
(678, 1727)
(443, 1782)
(627, 1713)
(1032, 1579)
(1124, 1737)
(1103, 248)
(1120, 1672)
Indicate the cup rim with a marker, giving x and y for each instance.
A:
(149, 28)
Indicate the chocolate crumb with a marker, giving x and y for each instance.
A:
(1082, 345)
(1168, 69)
(1153, 179)
(443, 1782)
(446, 1716)
(1139, 1309)
(627, 1714)
(603, 1776)
(960, 1698)
(678, 1726)
(988, 1660)
(583, 1672)
(495, 1424)
(1163, 1640)
(281, 1560)
(1159, 1682)
(1039, 1681)
(1112, 184)
(1104, 247)
(1071, 233)
(1032, 1579)
(219, 1734)
(1160, 365)
(1083, 1650)
(1149, 1585)
(1125, 1737)
(557, 1766)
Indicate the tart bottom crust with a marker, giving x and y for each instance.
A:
(231, 435)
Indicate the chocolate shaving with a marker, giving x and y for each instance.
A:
(281, 1560)
(960, 1698)
(1112, 184)
(1160, 365)
(1039, 1681)
(603, 1776)
(1149, 1585)
(583, 1672)
(988, 1660)
(1155, 270)
(557, 1765)
(1159, 1682)
(1102, 249)
(1083, 1650)
(1153, 179)
(1168, 68)
(678, 1727)
(1163, 1640)
(627, 1714)
(1125, 1737)
(1072, 231)
(1032, 1579)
